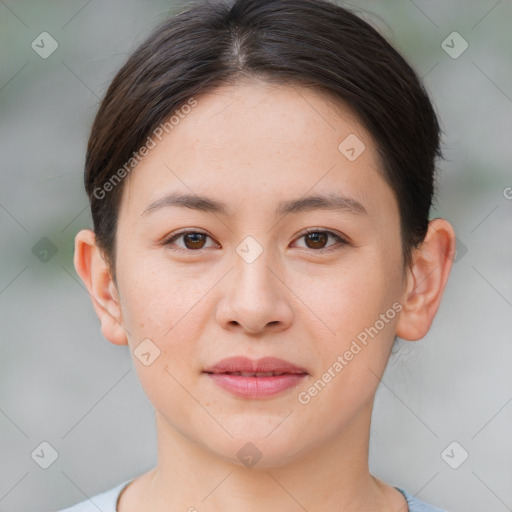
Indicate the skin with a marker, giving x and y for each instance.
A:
(253, 145)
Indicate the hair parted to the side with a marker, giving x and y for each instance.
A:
(305, 42)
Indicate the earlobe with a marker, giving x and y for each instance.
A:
(426, 280)
(95, 273)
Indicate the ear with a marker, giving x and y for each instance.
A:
(426, 280)
(95, 273)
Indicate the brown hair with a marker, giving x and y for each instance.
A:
(306, 42)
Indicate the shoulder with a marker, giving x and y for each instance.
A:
(416, 505)
(105, 501)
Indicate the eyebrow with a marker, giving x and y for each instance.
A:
(331, 201)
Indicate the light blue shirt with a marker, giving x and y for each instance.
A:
(107, 502)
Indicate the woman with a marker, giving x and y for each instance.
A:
(260, 177)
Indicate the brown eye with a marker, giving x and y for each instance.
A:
(317, 240)
(193, 240)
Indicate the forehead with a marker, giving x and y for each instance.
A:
(253, 141)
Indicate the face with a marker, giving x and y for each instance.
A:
(312, 285)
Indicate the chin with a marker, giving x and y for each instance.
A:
(254, 448)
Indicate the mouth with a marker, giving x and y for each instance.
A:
(253, 374)
(264, 367)
(255, 379)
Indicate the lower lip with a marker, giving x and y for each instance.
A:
(256, 387)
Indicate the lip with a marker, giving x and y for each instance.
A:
(263, 365)
(254, 386)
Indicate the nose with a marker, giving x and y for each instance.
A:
(255, 298)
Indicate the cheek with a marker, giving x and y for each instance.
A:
(356, 355)
(167, 304)
(350, 298)
(160, 306)
(356, 304)
(155, 293)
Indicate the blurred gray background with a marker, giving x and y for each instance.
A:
(443, 398)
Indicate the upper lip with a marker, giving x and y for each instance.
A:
(263, 365)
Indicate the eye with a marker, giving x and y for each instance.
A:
(316, 239)
(193, 240)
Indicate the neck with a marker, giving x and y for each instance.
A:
(332, 476)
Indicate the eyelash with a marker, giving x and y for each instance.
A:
(174, 236)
